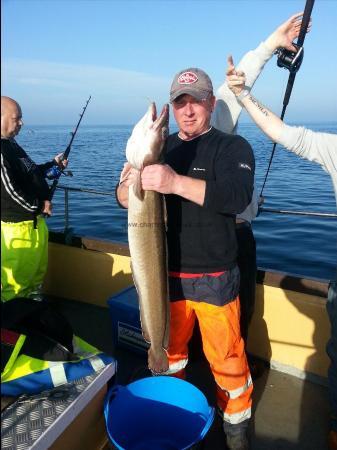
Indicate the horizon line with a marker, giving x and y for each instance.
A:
(175, 126)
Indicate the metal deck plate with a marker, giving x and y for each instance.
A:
(34, 422)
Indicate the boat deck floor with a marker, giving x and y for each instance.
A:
(288, 413)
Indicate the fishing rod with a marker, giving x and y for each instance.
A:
(300, 213)
(292, 61)
(55, 172)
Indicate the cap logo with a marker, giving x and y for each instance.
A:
(187, 78)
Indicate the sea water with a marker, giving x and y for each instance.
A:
(300, 245)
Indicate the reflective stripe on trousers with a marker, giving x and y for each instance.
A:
(223, 348)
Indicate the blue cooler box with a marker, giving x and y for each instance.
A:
(126, 329)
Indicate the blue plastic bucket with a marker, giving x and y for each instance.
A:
(157, 413)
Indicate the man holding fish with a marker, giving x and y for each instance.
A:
(207, 180)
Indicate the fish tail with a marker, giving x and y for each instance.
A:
(157, 360)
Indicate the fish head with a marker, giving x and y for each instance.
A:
(145, 145)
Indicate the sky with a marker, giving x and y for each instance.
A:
(55, 53)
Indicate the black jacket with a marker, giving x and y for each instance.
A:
(201, 239)
(23, 185)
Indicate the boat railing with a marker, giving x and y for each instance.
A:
(68, 189)
(262, 209)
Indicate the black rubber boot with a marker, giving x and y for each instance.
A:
(237, 435)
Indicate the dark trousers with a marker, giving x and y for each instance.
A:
(332, 352)
(248, 269)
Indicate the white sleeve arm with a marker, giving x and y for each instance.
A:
(227, 108)
(314, 146)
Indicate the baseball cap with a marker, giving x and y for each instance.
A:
(192, 81)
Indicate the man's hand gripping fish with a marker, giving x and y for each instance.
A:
(147, 237)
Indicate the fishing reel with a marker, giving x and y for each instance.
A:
(55, 172)
(290, 60)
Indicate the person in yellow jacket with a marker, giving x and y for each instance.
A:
(24, 201)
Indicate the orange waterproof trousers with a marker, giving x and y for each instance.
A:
(223, 348)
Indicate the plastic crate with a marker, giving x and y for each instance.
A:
(126, 328)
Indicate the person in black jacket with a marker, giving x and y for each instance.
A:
(25, 198)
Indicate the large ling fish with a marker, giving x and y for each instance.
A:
(147, 237)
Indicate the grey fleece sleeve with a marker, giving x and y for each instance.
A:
(314, 146)
(227, 108)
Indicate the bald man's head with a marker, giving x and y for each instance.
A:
(11, 117)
